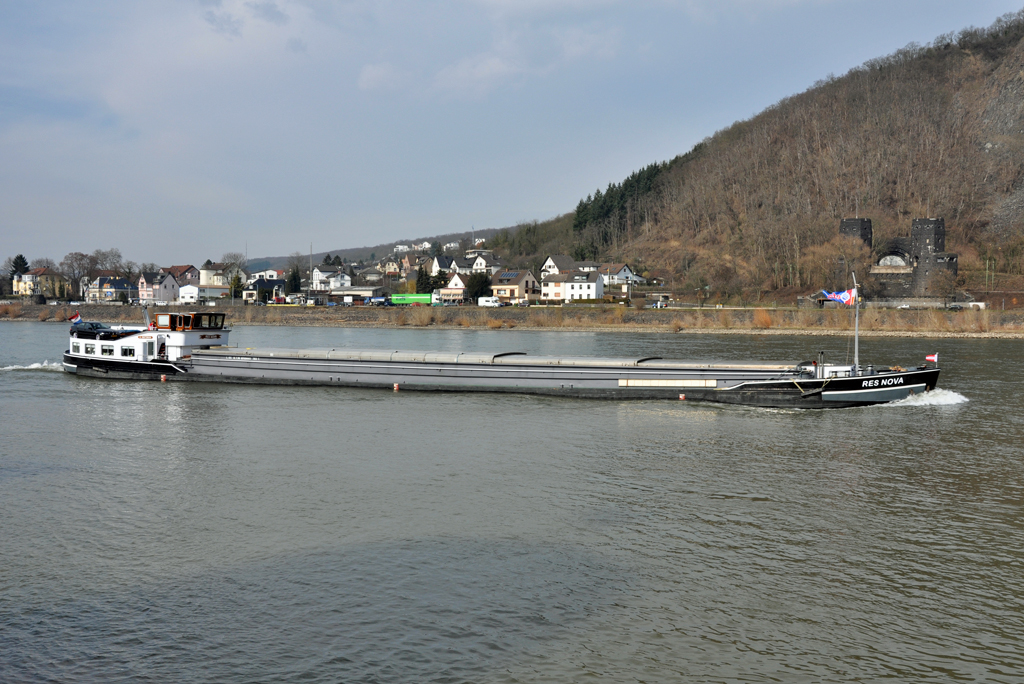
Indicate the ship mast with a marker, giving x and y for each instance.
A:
(856, 326)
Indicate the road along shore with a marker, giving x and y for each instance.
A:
(757, 321)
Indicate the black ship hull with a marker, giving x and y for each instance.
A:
(750, 385)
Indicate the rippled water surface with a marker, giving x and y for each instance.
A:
(197, 532)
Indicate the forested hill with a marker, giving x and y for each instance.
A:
(934, 130)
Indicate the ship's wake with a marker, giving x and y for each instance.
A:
(44, 366)
(937, 397)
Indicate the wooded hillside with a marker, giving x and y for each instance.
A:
(934, 130)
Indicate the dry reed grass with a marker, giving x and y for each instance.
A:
(10, 310)
(464, 321)
(493, 324)
(761, 319)
(724, 319)
(421, 316)
(44, 314)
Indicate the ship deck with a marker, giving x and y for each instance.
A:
(510, 358)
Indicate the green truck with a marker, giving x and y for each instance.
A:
(415, 299)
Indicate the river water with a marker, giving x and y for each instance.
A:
(172, 532)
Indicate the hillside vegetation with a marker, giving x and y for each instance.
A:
(934, 130)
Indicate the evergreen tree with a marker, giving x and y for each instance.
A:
(293, 283)
(337, 261)
(478, 285)
(423, 281)
(18, 265)
(327, 260)
(236, 285)
(440, 280)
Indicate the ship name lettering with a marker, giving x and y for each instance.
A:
(883, 382)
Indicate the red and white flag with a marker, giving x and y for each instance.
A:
(934, 358)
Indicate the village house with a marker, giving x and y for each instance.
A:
(450, 246)
(262, 289)
(157, 287)
(564, 287)
(327, 278)
(339, 281)
(186, 274)
(370, 275)
(104, 290)
(38, 281)
(268, 274)
(86, 281)
(456, 288)
(618, 274)
(390, 266)
(462, 265)
(487, 263)
(440, 264)
(192, 294)
(401, 249)
(220, 275)
(557, 263)
(514, 286)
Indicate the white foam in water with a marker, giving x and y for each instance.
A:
(45, 365)
(937, 397)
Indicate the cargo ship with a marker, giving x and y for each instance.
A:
(194, 347)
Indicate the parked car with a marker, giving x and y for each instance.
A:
(955, 307)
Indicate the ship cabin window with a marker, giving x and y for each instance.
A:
(76, 348)
(197, 321)
(150, 348)
(107, 350)
(208, 322)
(127, 351)
(90, 349)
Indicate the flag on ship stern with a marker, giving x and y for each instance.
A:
(934, 358)
(76, 319)
(847, 297)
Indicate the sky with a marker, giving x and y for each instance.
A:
(177, 131)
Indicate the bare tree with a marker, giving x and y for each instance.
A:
(108, 259)
(75, 266)
(43, 262)
(129, 270)
(233, 259)
(5, 279)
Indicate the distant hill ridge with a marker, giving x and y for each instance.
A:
(933, 130)
(355, 254)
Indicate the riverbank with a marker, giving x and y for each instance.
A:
(874, 322)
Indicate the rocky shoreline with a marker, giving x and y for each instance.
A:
(825, 322)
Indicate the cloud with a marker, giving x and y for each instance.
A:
(297, 45)
(379, 77)
(224, 22)
(476, 74)
(267, 10)
(577, 43)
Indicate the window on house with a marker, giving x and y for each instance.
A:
(127, 351)
(107, 350)
(90, 349)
